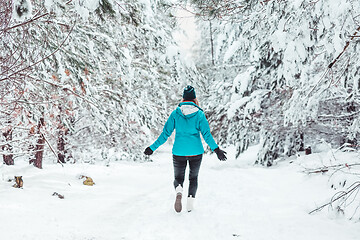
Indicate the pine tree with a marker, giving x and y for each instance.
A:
(278, 75)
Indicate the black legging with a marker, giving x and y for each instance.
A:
(180, 163)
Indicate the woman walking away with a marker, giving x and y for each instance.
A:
(189, 121)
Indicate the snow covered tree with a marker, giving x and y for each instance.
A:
(92, 75)
(21, 53)
(135, 70)
(278, 73)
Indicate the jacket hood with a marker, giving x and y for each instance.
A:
(187, 109)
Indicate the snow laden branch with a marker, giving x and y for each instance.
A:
(13, 75)
(329, 72)
(346, 46)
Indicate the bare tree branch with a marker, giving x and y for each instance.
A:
(24, 23)
(41, 60)
(342, 194)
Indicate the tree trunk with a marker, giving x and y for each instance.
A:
(39, 146)
(61, 146)
(8, 159)
(62, 131)
(212, 45)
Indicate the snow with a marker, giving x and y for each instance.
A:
(232, 50)
(236, 105)
(187, 34)
(22, 10)
(235, 200)
(252, 104)
(85, 7)
(48, 4)
(171, 52)
(221, 38)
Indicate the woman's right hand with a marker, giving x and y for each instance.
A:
(148, 151)
(220, 154)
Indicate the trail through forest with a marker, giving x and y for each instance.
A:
(235, 200)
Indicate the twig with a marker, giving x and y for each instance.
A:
(346, 46)
(121, 6)
(351, 189)
(319, 171)
(24, 23)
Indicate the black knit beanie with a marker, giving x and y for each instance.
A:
(189, 93)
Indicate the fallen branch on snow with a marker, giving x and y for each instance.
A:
(341, 197)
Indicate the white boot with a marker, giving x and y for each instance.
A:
(177, 204)
(190, 203)
(179, 189)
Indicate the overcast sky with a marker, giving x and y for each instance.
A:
(189, 35)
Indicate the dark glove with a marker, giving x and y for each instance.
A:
(220, 154)
(148, 151)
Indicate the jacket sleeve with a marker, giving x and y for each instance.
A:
(166, 133)
(205, 132)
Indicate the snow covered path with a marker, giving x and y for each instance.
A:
(135, 201)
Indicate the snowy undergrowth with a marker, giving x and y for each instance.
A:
(235, 200)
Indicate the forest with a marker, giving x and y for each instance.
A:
(94, 81)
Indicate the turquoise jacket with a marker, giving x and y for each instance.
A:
(189, 121)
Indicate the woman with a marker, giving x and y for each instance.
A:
(189, 121)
